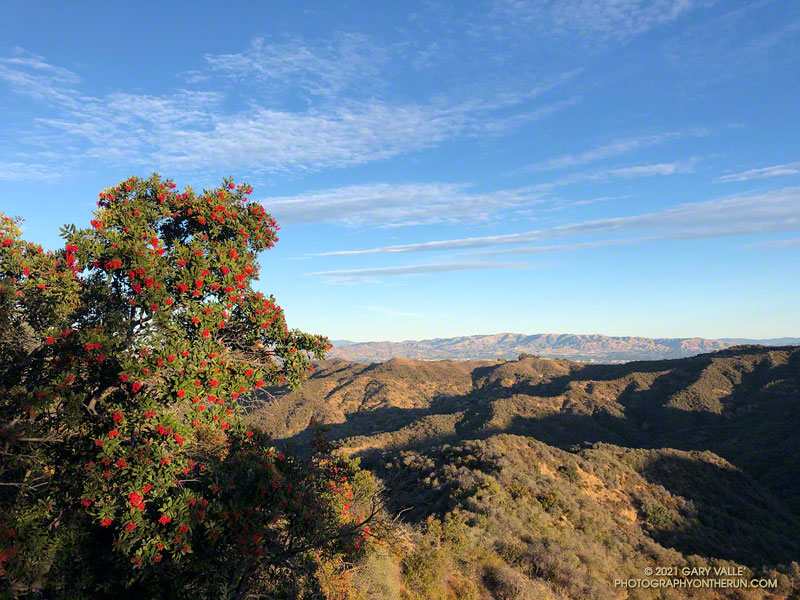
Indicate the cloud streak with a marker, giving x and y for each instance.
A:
(360, 275)
(19, 171)
(557, 247)
(650, 170)
(774, 211)
(774, 171)
(610, 150)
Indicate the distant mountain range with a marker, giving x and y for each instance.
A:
(587, 348)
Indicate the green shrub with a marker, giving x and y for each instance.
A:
(570, 471)
(425, 571)
(655, 514)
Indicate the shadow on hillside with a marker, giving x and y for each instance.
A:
(724, 513)
(392, 419)
(757, 428)
(644, 411)
(602, 372)
(734, 517)
(679, 373)
(727, 514)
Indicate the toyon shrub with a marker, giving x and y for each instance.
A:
(125, 466)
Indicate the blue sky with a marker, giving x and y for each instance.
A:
(624, 167)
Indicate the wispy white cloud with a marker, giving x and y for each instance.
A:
(28, 74)
(19, 171)
(501, 125)
(650, 170)
(592, 20)
(193, 76)
(774, 171)
(556, 247)
(773, 211)
(609, 150)
(369, 275)
(352, 280)
(628, 172)
(346, 61)
(189, 131)
(384, 204)
(561, 203)
(546, 249)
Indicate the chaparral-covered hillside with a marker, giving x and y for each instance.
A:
(544, 478)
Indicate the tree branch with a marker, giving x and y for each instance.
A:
(102, 396)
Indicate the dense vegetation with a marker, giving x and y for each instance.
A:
(541, 478)
(125, 466)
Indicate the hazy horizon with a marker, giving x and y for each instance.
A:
(721, 338)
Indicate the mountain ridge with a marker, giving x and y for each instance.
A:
(580, 347)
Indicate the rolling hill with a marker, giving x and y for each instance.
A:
(549, 478)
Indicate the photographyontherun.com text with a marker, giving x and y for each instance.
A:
(695, 578)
